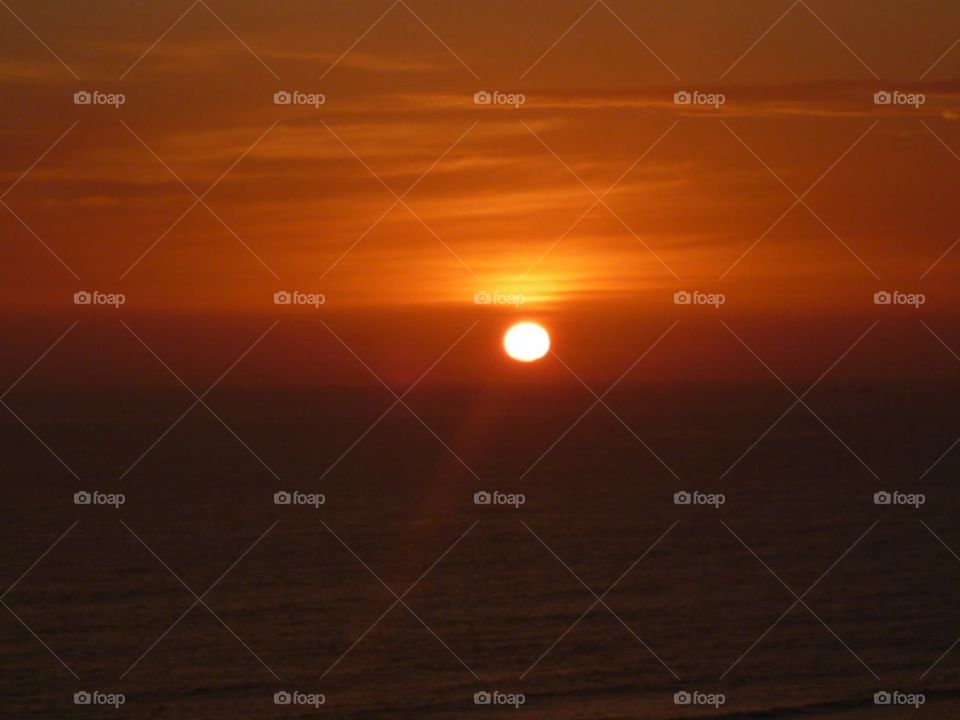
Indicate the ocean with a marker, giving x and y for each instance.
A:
(457, 560)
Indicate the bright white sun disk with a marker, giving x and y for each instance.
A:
(526, 342)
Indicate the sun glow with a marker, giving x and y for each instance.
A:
(526, 342)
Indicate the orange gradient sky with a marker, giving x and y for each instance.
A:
(399, 198)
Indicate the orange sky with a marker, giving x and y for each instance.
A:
(500, 198)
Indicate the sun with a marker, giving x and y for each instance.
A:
(526, 341)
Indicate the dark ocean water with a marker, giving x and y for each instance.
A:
(500, 598)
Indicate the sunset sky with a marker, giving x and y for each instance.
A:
(490, 198)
